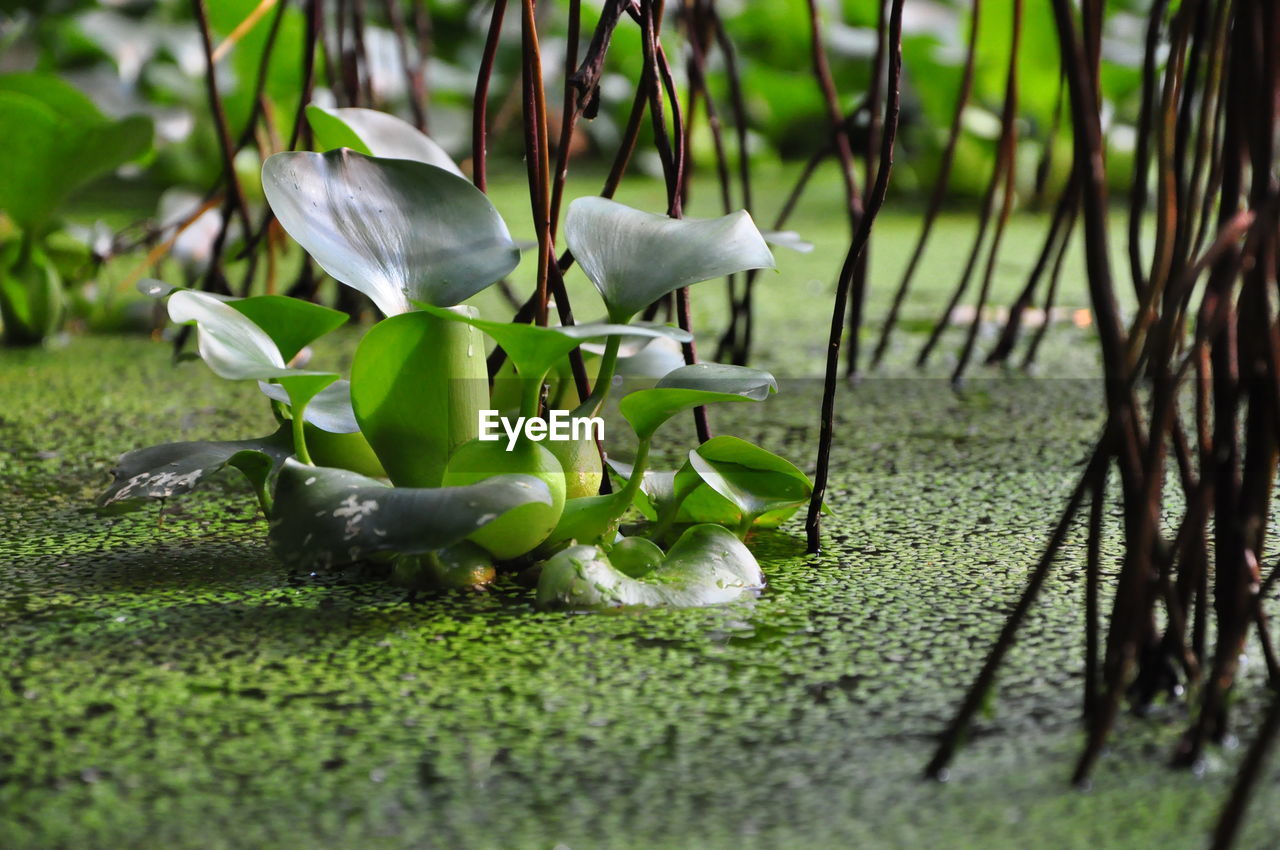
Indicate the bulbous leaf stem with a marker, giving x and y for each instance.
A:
(531, 394)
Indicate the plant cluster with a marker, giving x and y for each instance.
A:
(54, 142)
(388, 465)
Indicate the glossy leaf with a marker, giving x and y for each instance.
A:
(698, 503)
(172, 469)
(418, 384)
(756, 481)
(634, 257)
(291, 323)
(237, 349)
(394, 229)
(375, 133)
(588, 519)
(534, 350)
(326, 517)
(636, 557)
(706, 566)
(691, 386)
(330, 410)
(658, 492)
(228, 341)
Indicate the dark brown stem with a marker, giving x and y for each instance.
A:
(813, 524)
(235, 196)
(480, 103)
(939, 194)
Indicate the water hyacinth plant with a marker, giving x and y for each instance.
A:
(389, 464)
(54, 142)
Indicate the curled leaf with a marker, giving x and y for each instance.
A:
(229, 342)
(755, 480)
(330, 409)
(634, 257)
(291, 323)
(172, 469)
(691, 386)
(533, 350)
(706, 566)
(327, 517)
(375, 133)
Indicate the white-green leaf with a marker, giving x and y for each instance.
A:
(327, 517)
(693, 386)
(172, 469)
(395, 229)
(706, 566)
(755, 480)
(376, 133)
(330, 409)
(533, 350)
(634, 257)
(232, 345)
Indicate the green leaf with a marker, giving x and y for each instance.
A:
(756, 481)
(636, 557)
(172, 469)
(418, 384)
(692, 386)
(332, 133)
(658, 492)
(233, 346)
(375, 133)
(534, 350)
(394, 229)
(326, 517)
(634, 257)
(330, 410)
(291, 323)
(228, 341)
(54, 142)
(31, 295)
(706, 566)
(237, 349)
(63, 99)
(587, 519)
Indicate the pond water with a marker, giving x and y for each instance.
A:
(169, 684)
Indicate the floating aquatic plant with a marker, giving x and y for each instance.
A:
(391, 463)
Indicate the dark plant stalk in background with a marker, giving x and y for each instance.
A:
(235, 196)
(1231, 366)
(1002, 173)
(858, 293)
(536, 155)
(480, 103)
(1009, 155)
(939, 194)
(813, 523)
